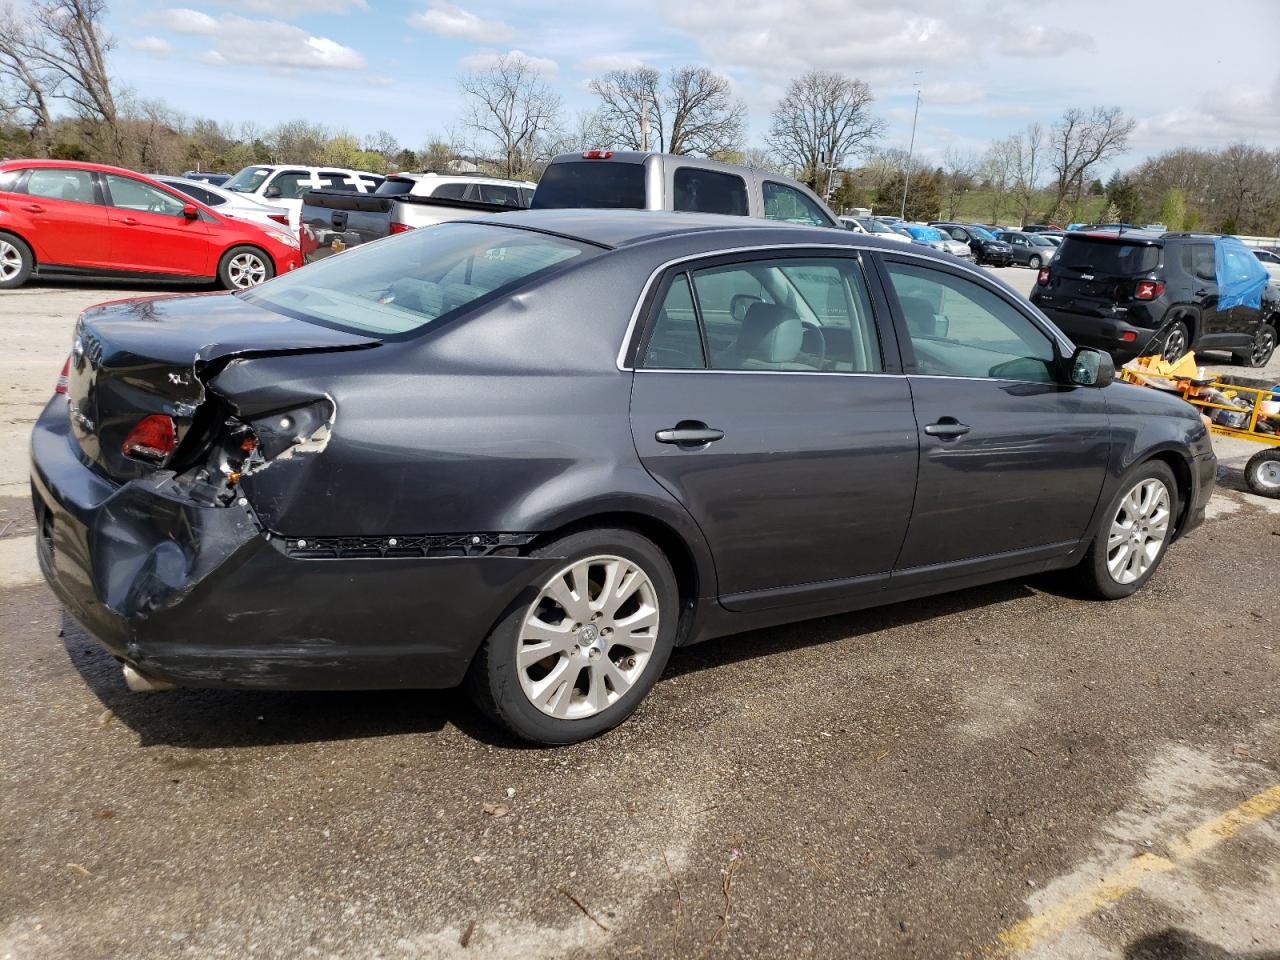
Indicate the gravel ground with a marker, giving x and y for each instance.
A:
(1008, 770)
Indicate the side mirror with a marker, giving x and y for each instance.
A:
(272, 192)
(1091, 368)
(190, 212)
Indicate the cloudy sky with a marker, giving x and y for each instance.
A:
(1190, 72)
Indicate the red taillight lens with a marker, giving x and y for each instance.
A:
(1042, 278)
(400, 228)
(152, 438)
(1128, 336)
(1149, 289)
(61, 385)
(280, 218)
(597, 154)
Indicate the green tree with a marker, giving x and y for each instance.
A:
(1173, 209)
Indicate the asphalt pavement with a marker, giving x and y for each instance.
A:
(1007, 771)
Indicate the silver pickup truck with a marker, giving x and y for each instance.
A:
(333, 220)
(619, 179)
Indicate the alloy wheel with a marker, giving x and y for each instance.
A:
(1263, 345)
(1175, 344)
(10, 260)
(1138, 531)
(246, 270)
(588, 637)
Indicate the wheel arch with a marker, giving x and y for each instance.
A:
(35, 256)
(1190, 314)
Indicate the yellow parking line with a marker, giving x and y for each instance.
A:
(1114, 885)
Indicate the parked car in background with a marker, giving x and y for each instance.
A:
(334, 221)
(927, 236)
(637, 180)
(900, 227)
(981, 241)
(1116, 290)
(239, 205)
(284, 184)
(878, 228)
(1271, 261)
(495, 452)
(1040, 228)
(89, 220)
(217, 179)
(1032, 250)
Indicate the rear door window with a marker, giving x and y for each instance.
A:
(498, 193)
(451, 191)
(75, 186)
(782, 202)
(710, 191)
(1110, 258)
(591, 184)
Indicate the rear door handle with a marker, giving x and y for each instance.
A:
(689, 433)
(947, 428)
(33, 208)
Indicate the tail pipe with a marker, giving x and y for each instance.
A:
(141, 683)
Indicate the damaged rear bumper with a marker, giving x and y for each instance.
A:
(202, 596)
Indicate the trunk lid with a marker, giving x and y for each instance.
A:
(153, 356)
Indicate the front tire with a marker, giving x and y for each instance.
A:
(580, 652)
(243, 267)
(1134, 533)
(1262, 473)
(16, 262)
(1259, 352)
(1034, 262)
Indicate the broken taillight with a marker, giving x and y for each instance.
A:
(1148, 289)
(152, 438)
(61, 385)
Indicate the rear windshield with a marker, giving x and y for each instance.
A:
(1107, 256)
(247, 180)
(394, 187)
(400, 285)
(981, 233)
(597, 184)
(874, 226)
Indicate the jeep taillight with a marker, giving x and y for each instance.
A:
(400, 228)
(1148, 289)
(152, 438)
(1042, 278)
(61, 385)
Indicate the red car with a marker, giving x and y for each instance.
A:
(62, 218)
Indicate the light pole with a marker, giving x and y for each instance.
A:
(906, 180)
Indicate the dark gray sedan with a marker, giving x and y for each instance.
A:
(538, 452)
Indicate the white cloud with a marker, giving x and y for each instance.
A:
(183, 20)
(604, 62)
(1037, 41)
(953, 92)
(152, 45)
(484, 59)
(295, 8)
(262, 43)
(375, 80)
(1250, 113)
(452, 21)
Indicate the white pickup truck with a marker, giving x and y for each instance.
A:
(334, 221)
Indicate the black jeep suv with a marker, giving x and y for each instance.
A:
(1116, 289)
(981, 240)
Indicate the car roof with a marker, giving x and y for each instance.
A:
(619, 228)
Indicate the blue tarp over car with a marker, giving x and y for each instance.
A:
(1241, 277)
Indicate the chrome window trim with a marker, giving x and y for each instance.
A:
(960, 265)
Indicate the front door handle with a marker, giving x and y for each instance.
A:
(33, 208)
(946, 428)
(128, 221)
(689, 433)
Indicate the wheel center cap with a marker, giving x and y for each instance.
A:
(588, 635)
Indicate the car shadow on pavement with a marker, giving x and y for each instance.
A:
(204, 719)
(1174, 944)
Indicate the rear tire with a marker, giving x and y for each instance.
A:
(243, 267)
(591, 678)
(16, 262)
(1034, 262)
(1176, 342)
(1133, 534)
(1262, 473)
(1259, 352)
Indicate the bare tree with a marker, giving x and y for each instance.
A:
(958, 171)
(998, 173)
(823, 119)
(1247, 184)
(514, 107)
(692, 111)
(1028, 169)
(25, 88)
(1080, 141)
